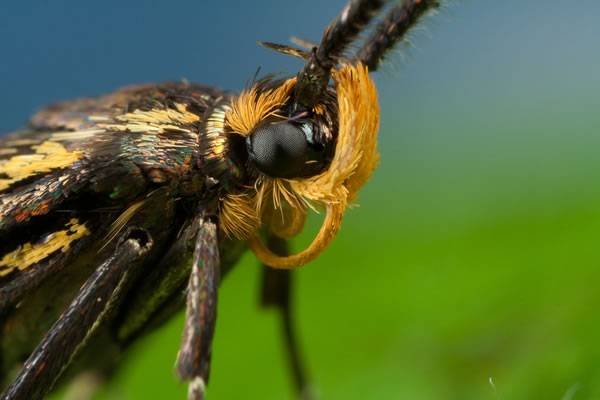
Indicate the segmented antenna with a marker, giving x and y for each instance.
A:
(340, 33)
(392, 29)
(314, 77)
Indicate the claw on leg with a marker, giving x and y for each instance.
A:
(196, 388)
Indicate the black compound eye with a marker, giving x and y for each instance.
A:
(279, 150)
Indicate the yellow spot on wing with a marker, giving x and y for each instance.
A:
(155, 120)
(22, 142)
(75, 135)
(8, 151)
(29, 254)
(48, 155)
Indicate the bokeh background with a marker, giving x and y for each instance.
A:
(470, 269)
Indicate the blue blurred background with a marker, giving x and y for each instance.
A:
(470, 269)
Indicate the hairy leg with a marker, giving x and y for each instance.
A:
(277, 290)
(45, 365)
(193, 362)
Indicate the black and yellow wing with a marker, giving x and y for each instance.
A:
(81, 169)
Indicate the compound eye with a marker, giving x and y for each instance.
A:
(279, 150)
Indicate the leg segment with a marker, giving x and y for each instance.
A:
(277, 289)
(193, 362)
(77, 323)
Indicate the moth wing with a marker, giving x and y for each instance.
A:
(74, 146)
(45, 218)
(80, 166)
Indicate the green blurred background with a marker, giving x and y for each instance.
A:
(470, 269)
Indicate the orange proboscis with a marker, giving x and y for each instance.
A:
(329, 228)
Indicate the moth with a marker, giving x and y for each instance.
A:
(117, 211)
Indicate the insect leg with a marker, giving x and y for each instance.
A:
(193, 362)
(393, 29)
(77, 323)
(277, 289)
